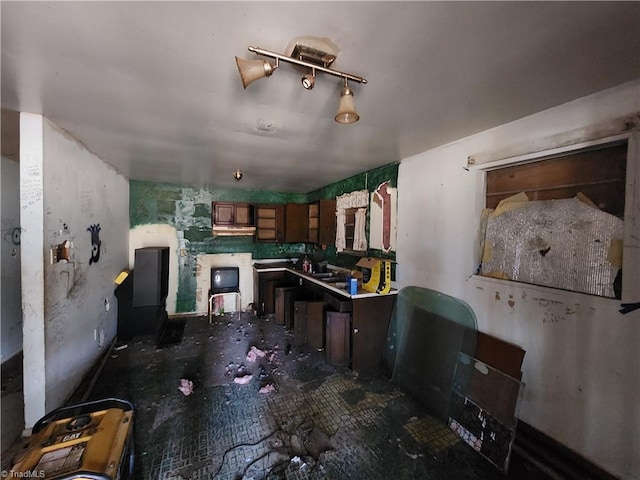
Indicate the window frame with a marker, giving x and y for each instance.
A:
(631, 236)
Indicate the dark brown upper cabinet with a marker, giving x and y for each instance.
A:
(314, 222)
(270, 221)
(231, 213)
(297, 222)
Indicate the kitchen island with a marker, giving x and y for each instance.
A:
(352, 328)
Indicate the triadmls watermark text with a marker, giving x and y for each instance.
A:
(25, 474)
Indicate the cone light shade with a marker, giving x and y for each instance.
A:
(251, 70)
(347, 110)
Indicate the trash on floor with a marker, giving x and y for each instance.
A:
(243, 379)
(251, 356)
(186, 386)
(268, 388)
(254, 353)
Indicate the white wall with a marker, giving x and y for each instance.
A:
(11, 309)
(77, 190)
(32, 265)
(582, 363)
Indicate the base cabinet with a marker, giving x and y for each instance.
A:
(352, 331)
(309, 324)
(300, 323)
(370, 323)
(285, 298)
(264, 293)
(338, 337)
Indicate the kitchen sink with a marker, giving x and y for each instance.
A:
(322, 275)
(329, 277)
(335, 279)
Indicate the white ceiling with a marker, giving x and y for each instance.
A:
(153, 89)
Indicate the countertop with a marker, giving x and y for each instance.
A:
(277, 267)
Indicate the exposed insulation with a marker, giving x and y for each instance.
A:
(556, 243)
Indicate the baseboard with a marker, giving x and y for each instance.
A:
(554, 459)
(83, 389)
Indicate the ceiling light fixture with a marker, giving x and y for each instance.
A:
(309, 80)
(307, 57)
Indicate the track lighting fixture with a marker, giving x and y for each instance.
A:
(346, 110)
(307, 57)
(309, 80)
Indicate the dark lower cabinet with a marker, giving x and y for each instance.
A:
(309, 324)
(338, 338)
(264, 291)
(300, 323)
(352, 331)
(370, 323)
(285, 296)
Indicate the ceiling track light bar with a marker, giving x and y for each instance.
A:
(302, 63)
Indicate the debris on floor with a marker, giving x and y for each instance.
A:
(268, 388)
(250, 420)
(254, 354)
(243, 379)
(186, 387)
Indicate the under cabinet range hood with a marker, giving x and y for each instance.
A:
(233, 231)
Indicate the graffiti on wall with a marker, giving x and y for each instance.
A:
(95, 243)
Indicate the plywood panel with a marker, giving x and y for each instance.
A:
(599, 174)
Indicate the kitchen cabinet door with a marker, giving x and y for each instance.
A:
(327, 223)
(285, 296)
(297, 222)
(270, 223)
(244, 214)
(300, 323)
(314, 222)
(371, 318)
(230, 213)
(223, 213)
(338, 338)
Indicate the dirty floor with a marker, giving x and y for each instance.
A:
(312, 421)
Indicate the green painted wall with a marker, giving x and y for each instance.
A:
(188, 209)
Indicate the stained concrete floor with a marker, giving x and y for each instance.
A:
(320, 422)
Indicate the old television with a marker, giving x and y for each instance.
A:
(224, 280)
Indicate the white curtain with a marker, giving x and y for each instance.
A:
(357, 199)
(360, 234)
(341, 241)
(360, 200)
